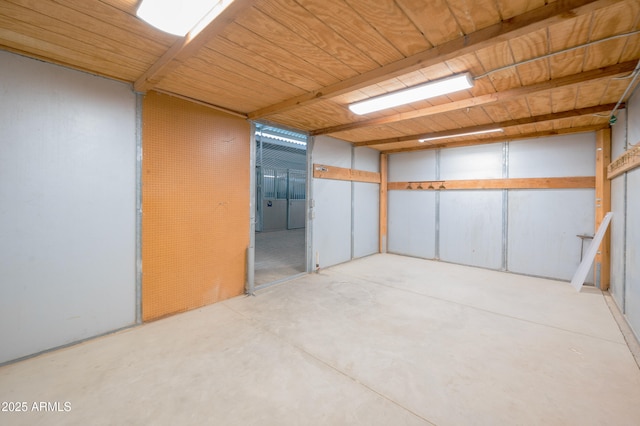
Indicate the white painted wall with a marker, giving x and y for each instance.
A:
(632, 279)
(332, 204)
(619, 209)
(366, 159)
(543, 229)
(411, 225)
(346, 214)
(471, 162)
(558, 156)
(471, 228)
(543, 224)
(625, 228)
(525, 231)
(411, 215)
(471, 221)
(366, 204)
(633, 115)
(366, 222)
(67, 206)
(412, 166)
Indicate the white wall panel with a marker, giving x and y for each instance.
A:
(568, 155)
(67, 206)
(543, 229)
(633, 118)
(366, 159)
(412, 223)
(332, 222)
(471, 228)
(618, 191)
(412, 166)
(332, 200)
(366, 204)
(472, 162)
(366, 213)
(632, 294)
(619, 135)
(331, 151)
(631, 240)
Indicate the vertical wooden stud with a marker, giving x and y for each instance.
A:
(383, 203)
(602, 206)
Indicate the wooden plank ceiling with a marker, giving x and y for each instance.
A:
(540, 67)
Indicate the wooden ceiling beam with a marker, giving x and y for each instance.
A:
(605, 72)
(542, 17)
(188, 45)
(531, 135)
(599, 109)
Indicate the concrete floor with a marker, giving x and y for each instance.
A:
(278, 255)
(384, 340)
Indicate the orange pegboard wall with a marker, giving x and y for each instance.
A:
(195, 205)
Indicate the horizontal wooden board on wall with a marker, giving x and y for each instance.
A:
(322, 171)
(624, 163)
(515, 183)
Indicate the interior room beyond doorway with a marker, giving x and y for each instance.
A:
(281, 187)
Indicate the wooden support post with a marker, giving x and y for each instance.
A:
(602, 265)
(383, 203)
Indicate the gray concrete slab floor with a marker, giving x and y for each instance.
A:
(384, 340)
(278, 255)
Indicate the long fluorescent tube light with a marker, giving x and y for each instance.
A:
(479, 132)
(414, 94)
(179, 17)
(282, 138)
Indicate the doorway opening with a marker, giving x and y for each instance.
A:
(281, 196)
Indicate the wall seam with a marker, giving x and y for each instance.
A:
(251, 253)
(138, 302)
(624, 246)
(310, 204)
(624, 212)
(437, 207)
(505, 208)
(353, 203)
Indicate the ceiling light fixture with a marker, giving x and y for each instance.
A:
(414, 94)
(180, 17)
(478, 132)
(282, 138)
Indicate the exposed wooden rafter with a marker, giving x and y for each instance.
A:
(565, 81)
(187, 46)
(504, 124)
(528, 22)
(530, 135)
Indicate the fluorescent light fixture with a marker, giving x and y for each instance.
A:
(414, 94)
(283, 139)
(179, 17)
(479, 132)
